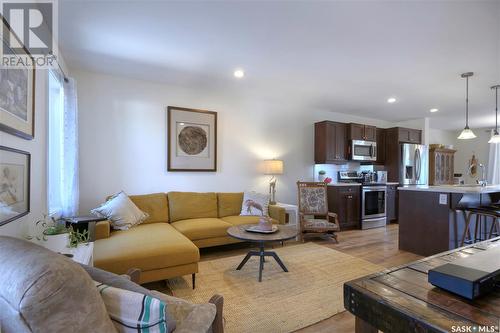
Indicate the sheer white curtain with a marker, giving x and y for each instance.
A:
(70, 188)
(63, 191)
(494, 164)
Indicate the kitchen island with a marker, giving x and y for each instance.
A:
(432, 218)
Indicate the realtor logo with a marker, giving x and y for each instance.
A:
(31, 29)
(32, 23)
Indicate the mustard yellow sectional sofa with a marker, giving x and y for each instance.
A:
(167, 243)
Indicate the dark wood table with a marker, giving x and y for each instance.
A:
(400, 299)
(284, 233)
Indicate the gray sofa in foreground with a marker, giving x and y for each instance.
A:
(41, 291)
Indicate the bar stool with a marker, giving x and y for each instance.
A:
(482, 214)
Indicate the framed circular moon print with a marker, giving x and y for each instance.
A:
(192, 139)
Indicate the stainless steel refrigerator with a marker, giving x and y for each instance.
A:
(414, 167)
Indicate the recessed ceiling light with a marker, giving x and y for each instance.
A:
(391, 100)
(434, 110)
(239, 73)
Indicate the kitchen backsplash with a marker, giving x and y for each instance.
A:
(333, 169)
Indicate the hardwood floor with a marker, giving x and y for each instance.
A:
(379, 246)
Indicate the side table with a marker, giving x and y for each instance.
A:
(81, 223)
(83, 253)
(293, 213)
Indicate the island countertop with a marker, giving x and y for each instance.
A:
(475, 189)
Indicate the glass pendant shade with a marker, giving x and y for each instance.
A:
(466, 134)
(495, 138)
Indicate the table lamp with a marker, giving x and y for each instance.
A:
(273, 167)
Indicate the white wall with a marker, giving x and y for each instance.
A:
(442, 137)
(123, 139)
(37, 148)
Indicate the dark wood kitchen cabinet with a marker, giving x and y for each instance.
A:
(330, 142)
(392, 207)
(361, 132)
(409, 135)
(380, 135)
(345, 201)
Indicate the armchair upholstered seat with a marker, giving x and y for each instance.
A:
(313, 210)
(319, 223)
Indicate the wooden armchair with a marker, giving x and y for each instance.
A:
(313, 211)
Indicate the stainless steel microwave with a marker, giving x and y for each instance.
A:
(363, 150)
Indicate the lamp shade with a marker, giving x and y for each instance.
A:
(273, 167)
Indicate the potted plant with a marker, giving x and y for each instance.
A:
(51, 234)
(55, 236)
(321, 175)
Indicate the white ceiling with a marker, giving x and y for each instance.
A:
(341, 56)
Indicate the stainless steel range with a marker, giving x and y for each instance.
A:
(373, 206)
(373, 197)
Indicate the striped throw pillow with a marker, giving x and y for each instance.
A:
(134, 312)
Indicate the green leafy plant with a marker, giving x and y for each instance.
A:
(76, 237)
(55, 230)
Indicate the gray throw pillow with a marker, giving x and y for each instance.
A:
(121, 211)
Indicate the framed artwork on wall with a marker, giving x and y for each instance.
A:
(192, 139)
(17, 93)
(14, 184)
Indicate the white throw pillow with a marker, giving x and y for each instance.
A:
(255, 204)
(134, 312)
(121, 211)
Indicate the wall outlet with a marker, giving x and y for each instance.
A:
(443, 199)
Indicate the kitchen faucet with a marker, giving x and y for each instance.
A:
(482, 181)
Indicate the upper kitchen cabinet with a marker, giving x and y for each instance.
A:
(380, 135)
(409, 135)
(330, 142)
(361, 132)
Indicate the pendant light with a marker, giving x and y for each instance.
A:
(467, 132)
(496, 137)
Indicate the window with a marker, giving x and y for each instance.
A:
(55, 138)
(62, 157)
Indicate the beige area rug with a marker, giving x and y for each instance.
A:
(311, 291)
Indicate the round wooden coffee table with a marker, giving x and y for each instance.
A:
(284, 233)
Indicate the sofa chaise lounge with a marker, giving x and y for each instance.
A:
(167, 244)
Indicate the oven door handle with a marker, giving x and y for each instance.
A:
(374, 188)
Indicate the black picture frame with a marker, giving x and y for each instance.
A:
(4, 186)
